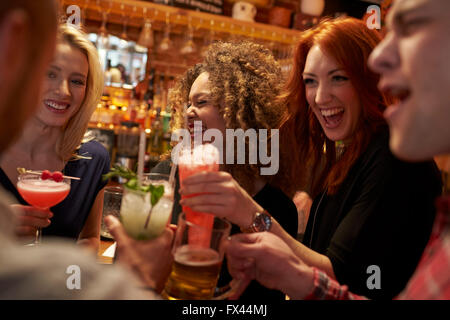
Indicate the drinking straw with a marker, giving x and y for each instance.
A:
(141, 155)
(174, 165)
(185, 116)
(172, 175)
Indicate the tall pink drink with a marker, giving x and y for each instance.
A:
(202, 158)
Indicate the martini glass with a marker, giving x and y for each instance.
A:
(42, 194)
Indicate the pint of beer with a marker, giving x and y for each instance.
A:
(196, 268)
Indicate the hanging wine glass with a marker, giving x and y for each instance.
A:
(189, 47)
(103, 37)
(84, 13)
(208, 40)
(165, 44)
(123, 43)
(146, 38)
(272, 46)
(282, 54)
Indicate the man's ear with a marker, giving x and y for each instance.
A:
(14, 46)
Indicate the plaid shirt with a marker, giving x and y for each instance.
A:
(431, 279)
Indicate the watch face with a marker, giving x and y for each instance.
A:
(263, 222)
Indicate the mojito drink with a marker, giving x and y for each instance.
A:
(141, 218)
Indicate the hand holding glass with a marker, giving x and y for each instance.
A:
(42, 194)
(196, 268)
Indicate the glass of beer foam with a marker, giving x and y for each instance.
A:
(196, 266)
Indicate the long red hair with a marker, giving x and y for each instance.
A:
(314, 164)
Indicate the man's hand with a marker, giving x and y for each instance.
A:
(151, 260)
(268, 259)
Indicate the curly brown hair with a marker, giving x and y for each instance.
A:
(245, 85)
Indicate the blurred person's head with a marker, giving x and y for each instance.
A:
(236, 87)
(27, 38)
(72, 88)
(333, 97)
(121, 68)
(414, 63)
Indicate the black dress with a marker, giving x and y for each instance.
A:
(276, 203)
(381, 215)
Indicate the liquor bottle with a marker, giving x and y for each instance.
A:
(157, 92)
(155, 141)
(148, 96)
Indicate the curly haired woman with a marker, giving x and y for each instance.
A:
(236, 87)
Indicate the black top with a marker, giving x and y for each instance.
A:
(276, 203)
(71, 214)
(381, 215)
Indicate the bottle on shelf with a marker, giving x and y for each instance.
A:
(101, 125)
(155, 141)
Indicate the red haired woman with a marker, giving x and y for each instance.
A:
(372, 214)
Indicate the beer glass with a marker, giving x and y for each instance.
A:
(196, 266)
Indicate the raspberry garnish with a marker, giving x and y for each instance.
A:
(57, 176)
(46, 175)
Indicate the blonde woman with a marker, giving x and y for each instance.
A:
(54, 139)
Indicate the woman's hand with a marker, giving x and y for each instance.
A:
(218, 193)
(268, 259)
(30, 219)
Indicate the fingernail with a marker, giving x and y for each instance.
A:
(109, 221)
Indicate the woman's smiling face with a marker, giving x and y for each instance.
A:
(331, 95)
(202, 108)
(64, 87)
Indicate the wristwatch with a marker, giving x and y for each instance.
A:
(261, 222)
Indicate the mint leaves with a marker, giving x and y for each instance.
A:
(120, 171)
(156, 191)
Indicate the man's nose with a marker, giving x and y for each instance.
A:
(384, 57)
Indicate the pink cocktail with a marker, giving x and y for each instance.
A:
(42, 194)
(202, 158)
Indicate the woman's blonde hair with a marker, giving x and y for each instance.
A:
(75, 129)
